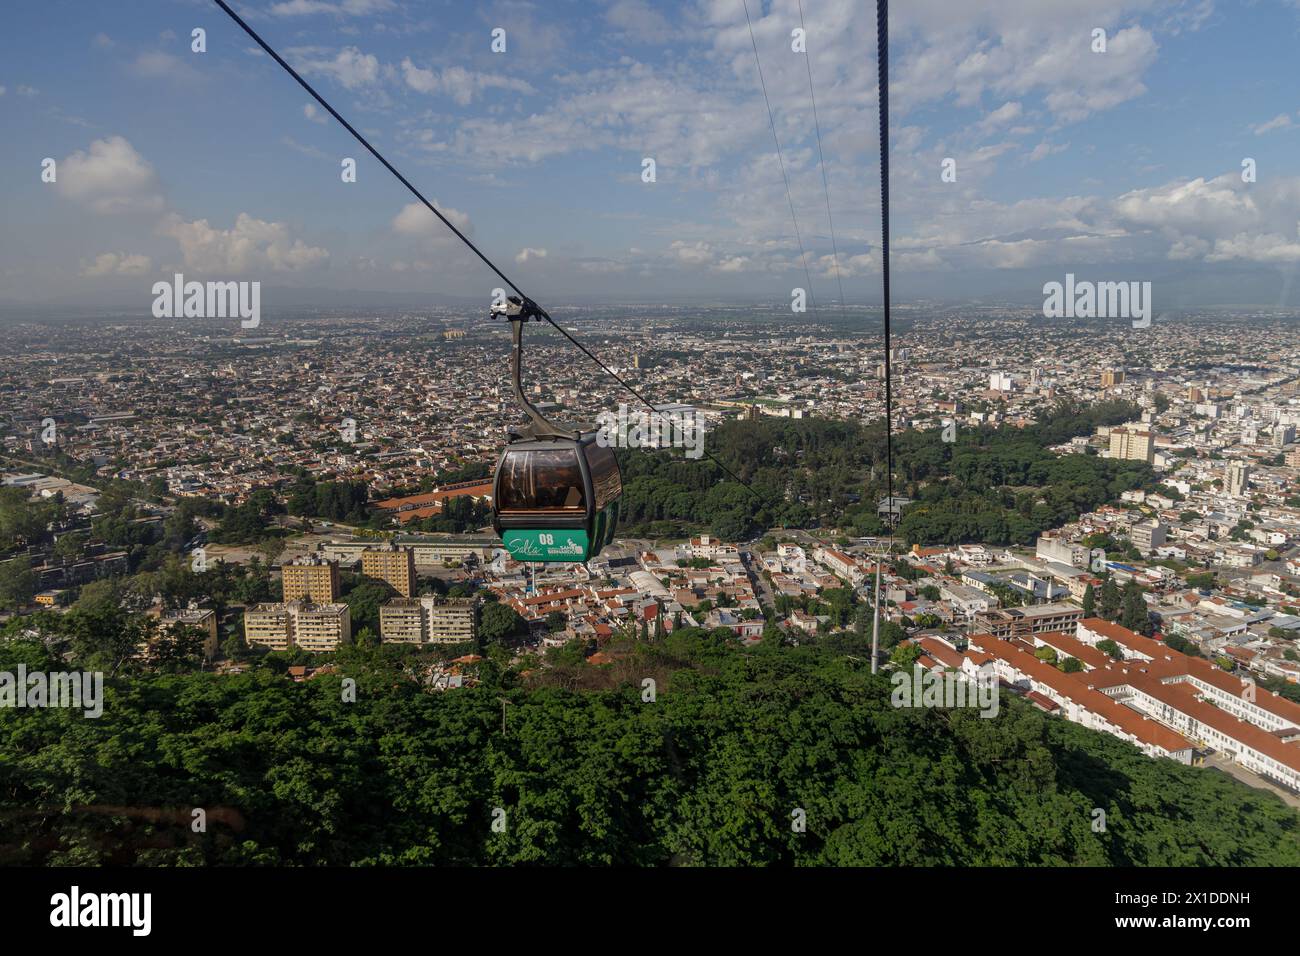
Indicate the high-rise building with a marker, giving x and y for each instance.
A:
(392, 564)
(321, 627)
(401, 621)
(1238, 479)
(429, 620)
(268, 625)
(450, 620)
(1133, 443)
(1112, 377)
(1283, 435)
(311, 578)
(201, 619)
(311, 627)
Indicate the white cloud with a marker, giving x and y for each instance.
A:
(1006, 113)
(120, 264)
(349, 66)
(1280, 121)
(310, 111)
(1256, 248)
(638, 19)
(460, 84)
(103, 41)
(1045, 149)
(529, 253)
(416, 221)
(111, 177)
(251, 245)
(352, 8)
(157, 65)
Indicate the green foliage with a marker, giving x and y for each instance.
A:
(18, 583)
(1111, 600)
(499, 623)
(1182, 645)
(291, 775)
(1134, 614)
(23, 520)
(335, 500)
(364, 599)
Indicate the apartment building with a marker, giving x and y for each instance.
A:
(1023, 622)
(393, 564)
(1148, 535)
(1238, 479)
(401, 621)
(311, 627)
(451, 620)
(268, 625)
(1133, 443)
(310, 578)
(429, 620)
(200, 618)
(321, 627)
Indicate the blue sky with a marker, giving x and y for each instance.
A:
(1115, 165)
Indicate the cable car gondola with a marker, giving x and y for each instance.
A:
(555, 493)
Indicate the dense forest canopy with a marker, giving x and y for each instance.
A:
(991, 485)
(589, 772)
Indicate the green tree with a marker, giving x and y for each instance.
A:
(1135, 615)
(500, 623)
(18, 583)
(1110, 602)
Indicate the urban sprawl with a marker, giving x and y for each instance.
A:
(413, 409)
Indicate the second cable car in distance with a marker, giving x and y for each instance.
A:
(555, 493)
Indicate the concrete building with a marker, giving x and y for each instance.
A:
(1023, 622)
(392, 564)
(429, 620)
(200, 618)
(268, 625)
(311, 627)
(401, 621)
(1052, 548)
(311, 578)
(321, 627)
(1133, 443)
(1148, 535)
(1238, 479)
(450, 620)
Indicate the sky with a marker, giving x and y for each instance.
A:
(1116, 165)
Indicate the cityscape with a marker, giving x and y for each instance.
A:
(767, 435)
(1210, 542)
